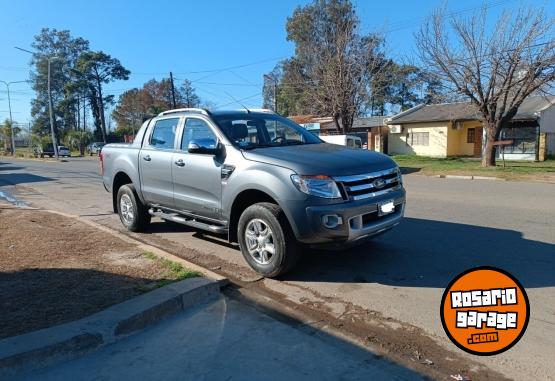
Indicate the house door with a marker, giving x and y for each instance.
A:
(478, 142)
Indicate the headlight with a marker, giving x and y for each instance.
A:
(320, 186)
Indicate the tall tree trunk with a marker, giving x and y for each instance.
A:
(84, 113)
(101, 110)
(78, 115)
(95, 108)
(492, 130)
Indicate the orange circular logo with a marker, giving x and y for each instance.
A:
(485, 311)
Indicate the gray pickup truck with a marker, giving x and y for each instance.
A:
(255, 176)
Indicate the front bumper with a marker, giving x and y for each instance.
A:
(360, 220)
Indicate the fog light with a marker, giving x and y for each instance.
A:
(331, 220)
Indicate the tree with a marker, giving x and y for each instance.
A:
(406, 82)
(131, 108)
(154, 97)
(333, 61)
(188, 96)
(78, 140)
(434, 90)
(60, 44)
(496, 68)
(99, 68)
(6, 132)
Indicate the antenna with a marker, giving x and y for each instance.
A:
(235, 100)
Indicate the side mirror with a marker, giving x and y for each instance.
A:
(204, 146)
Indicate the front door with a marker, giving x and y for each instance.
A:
(197, 179)
(478, 131)
(155, 163)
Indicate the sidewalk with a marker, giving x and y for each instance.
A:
(226, 340)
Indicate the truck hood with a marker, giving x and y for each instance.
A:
(322, 159)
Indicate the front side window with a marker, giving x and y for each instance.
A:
(163, 134)
(198, 130)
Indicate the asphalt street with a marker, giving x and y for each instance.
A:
(450, 226)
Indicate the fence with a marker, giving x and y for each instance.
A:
(22, 138)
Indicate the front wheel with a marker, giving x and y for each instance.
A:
(266, 240)
(132, 213)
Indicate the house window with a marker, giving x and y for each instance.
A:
(419, 139)
(471, 135)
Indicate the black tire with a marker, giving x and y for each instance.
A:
(286, 247)
(140, 216)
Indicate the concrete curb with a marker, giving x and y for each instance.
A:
(469, 177)
(49, 346)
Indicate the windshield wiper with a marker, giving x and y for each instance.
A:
(257, 146)
(294, 143)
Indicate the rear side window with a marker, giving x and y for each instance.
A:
(196, 129)
(163, 134)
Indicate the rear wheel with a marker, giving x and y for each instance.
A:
(132, 213)
(266, 240)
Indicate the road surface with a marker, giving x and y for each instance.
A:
(450, 226)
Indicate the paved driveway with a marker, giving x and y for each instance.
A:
(451, 225)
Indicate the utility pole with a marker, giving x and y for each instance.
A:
(173, 90)
(51, 113)
(10, 110)
(50, 105)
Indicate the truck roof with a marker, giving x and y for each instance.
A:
(202, 111)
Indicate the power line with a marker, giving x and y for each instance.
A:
(408, 23)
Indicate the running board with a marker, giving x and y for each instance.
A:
(174, 217)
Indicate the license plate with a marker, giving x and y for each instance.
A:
(386, 207)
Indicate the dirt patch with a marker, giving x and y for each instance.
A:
(54, 269)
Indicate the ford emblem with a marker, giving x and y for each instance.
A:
(378, 183)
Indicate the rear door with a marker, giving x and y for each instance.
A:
(155, 161)
(197, 177)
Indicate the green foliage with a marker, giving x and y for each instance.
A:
(66, 48)
(333, 66)
(78, 140)
(135, 105)
(177, 271)
(77, 77)
(96, 69)
(339, 71)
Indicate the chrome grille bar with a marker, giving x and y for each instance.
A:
(368, 185)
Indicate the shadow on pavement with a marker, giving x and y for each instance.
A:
(417, 253)
(427, 253)
(10, 168)
(21, 178)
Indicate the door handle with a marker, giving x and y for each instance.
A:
(147, 158)
(180, 163)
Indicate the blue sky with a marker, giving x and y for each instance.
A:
(194, 39)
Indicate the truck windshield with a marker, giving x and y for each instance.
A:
(256, 130)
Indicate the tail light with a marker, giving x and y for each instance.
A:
(101, 158)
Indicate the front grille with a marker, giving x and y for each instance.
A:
(359, 187)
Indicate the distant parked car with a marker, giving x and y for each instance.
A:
(95, 148)
(63, 151)
(45, 150)
(343, 140)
